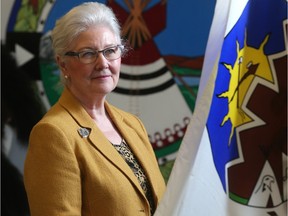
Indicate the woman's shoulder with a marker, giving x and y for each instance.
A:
(56, 121)
(55, 115)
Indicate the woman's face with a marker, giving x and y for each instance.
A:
(99, 77)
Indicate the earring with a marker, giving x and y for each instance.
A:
(65, 76)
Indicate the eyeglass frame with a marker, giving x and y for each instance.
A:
(96, 52)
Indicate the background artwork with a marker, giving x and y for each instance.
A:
(158, 81)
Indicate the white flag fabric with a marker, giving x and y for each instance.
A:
(233, 158)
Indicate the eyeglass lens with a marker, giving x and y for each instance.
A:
(111, 53)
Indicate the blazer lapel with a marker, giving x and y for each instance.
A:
(136, 144)
(97, 138)
(102, 144)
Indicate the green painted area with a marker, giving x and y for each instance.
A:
(166, 169)
(238, 199)
(187, 71)
(168, 150)
(51, 81)
(189, 98)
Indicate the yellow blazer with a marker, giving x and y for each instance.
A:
(67, 173)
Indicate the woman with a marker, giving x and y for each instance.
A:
(87, 157)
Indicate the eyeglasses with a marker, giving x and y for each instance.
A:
(90, 56)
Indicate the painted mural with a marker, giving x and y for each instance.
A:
(159, 79)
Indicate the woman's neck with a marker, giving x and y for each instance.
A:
(91, 101)
(105, 124)
(95, 107)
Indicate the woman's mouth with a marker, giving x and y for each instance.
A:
(101, 77)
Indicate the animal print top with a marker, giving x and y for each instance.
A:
(130, 159)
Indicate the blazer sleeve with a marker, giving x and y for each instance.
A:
(51, 173)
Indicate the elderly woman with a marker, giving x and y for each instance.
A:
(87, 157)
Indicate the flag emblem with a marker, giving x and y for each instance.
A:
(248, 119)
(250, 63)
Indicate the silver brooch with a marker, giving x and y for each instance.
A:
(84, 132)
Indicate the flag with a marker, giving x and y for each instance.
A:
(233, 157)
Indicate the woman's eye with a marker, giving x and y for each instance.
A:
(110, 51)
(88, 54)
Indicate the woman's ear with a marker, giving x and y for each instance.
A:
(61, 63)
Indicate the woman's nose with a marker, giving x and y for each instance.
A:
(101, 62)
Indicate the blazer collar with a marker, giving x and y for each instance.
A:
(101, 143)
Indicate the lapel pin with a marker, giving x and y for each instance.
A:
(84, 132)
